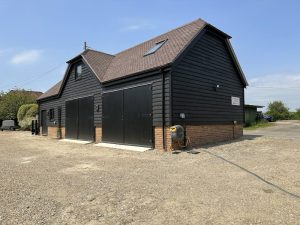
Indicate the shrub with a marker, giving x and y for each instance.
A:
(278, 111)
(26, 114)
(11, 101)
(32, 111)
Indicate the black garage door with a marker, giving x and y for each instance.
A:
(127, 116)
(80, 118)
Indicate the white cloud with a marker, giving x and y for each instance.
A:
(265, 89)
(135, 24)
(26, 57)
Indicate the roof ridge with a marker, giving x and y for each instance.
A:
(90, 49)
(199, 19)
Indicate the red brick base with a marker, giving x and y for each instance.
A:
(98, 134)
(206, 134)
(53, 132)
(198, 135)
(158, 138)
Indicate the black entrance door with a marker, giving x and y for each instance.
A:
(80, 118)
(86, 118)
(72, 119)
(112, 117)
(138, 116)
(127, 116)
(44, 122)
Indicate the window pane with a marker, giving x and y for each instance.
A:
(79, 69)
(155, 47)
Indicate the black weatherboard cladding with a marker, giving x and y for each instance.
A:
(155, 80)
(89, 85)
(195, 76)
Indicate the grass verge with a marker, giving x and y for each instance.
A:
(259, 125)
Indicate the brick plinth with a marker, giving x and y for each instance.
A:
(52, 132)
(158, 138)
(63, 132)
(98, 134)
(198, 135)
(206, 134)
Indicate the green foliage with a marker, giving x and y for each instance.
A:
(22, 111)
(26, 114)
(278, 111)
(259, 124)
(295, 115)
(33, 110)
(11, 101)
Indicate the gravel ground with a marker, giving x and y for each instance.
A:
(254, 180)
(282, 129)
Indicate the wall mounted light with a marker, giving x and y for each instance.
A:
(217, 87)
(182, 115)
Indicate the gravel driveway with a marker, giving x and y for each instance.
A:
(282, 129)
(254, 180)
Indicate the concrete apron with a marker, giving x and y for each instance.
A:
(76, 141)
(123, 147)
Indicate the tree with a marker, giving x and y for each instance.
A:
(11, 101)
(26, 114)
(278, 110)
(297, 114)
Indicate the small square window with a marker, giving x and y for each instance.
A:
(78, 71)
(51, 114)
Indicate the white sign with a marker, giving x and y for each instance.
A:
(235, 100)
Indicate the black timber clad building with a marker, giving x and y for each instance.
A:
(188, 76)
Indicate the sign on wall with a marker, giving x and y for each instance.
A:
(235, 100)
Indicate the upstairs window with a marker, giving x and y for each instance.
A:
(155, 47)
(78, 71)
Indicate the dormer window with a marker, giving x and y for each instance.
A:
(155, 47)
(78, 71)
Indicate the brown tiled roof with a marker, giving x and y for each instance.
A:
(98, 61)
(52, 91)
(132, 61)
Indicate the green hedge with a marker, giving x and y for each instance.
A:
(26, 114)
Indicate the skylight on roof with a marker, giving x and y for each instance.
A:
(155, 47)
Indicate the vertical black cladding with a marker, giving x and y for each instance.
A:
(44, 122)
(59, 116)
(86, 118)
(112, 116)
(72, 119)
(127, 116)
(138, 115)
(80, 118)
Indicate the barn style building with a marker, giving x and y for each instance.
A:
(188, 76)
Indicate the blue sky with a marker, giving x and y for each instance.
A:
(38, 37)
